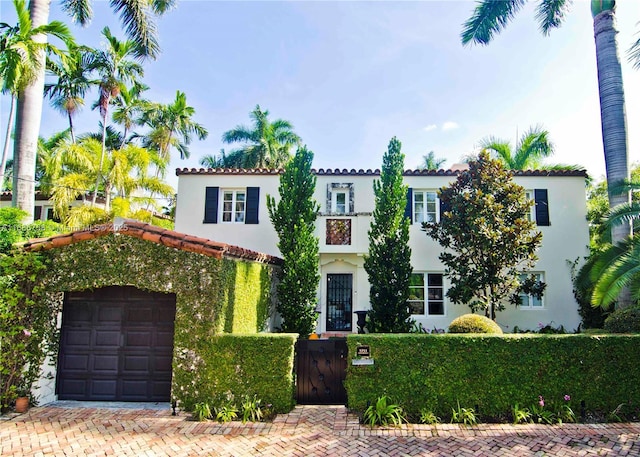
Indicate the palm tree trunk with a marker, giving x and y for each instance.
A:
(5, 150)
(102, 152)
(612, 112)
(73, 136)
(28, 120)
(614, 123)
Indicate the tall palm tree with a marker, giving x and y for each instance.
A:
(491, 16)
(137, 16)
(116, 68)
(431, 162)
(533, 146)
(73, 81)
(130, 107)
(172, 126)
(22, 52)
(615, 268)
(266, 144)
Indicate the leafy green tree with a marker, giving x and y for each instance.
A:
(137, 16)
(388, 263)
(22, 54)
(266, 144)
(431, 162)
(293, 217)
(491, 17)
(488, 239)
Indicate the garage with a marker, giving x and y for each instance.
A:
(116, 344)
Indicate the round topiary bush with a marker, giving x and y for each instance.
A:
(474, 323)
(625, 320)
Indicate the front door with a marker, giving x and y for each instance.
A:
(339, 302)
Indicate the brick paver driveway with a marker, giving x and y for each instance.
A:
(307, 431)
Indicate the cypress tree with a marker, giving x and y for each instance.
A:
(388, 263)
(293, 218)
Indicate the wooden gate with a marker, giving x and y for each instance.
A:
(321, 368)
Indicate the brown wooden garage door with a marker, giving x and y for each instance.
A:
(116, 345)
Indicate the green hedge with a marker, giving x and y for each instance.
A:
(228, 367)
(494, 372)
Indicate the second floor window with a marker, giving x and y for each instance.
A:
(339, 202)
(233, 206)
(425, 206)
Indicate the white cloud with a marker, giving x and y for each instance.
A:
(430, 127)
(449, 125)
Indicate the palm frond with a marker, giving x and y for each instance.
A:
(620, 267)
(489, 17)
(139, 25)
(79, 10)
(551, 13)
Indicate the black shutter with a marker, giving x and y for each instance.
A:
(542, 207)
(211, 206)
(408, 210)
(253, 202)
(37, 213)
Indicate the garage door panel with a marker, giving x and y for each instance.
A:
(105, 339)
(104, 389)
(75, 337)
(74, 389)
(139, 339)
(77, 313)
(109, 314)
(136, 363)
(75, 362)
(164, 339)
(139, 315)
(105, 364)
(117, 344)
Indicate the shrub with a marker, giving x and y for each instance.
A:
(474, 323)
(383, 413)
(625, 320)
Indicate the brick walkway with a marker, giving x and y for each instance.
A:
(307, 431)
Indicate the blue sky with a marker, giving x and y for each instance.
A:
(350, 75)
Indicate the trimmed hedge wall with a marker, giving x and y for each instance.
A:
(225, 368)
(494, 372)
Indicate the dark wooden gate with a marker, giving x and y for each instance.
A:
(321, 368)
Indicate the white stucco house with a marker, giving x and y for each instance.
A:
(229, 205)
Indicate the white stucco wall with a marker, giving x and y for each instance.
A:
(566, 239)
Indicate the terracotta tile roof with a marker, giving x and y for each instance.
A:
(361, 172)
(7, 195)
(153, 234)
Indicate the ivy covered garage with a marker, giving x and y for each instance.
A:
(135, 302)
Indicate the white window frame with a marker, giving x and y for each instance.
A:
(419, 216)
(334, 201)
(426, 300)
(529, 195)
(527, 300)
(237, 216)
